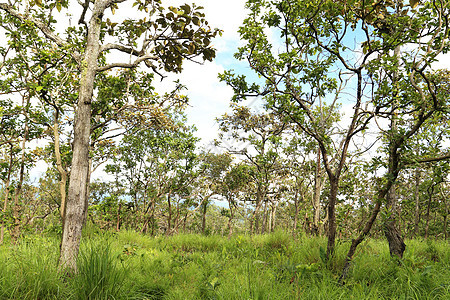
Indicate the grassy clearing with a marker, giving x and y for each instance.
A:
(128, 265)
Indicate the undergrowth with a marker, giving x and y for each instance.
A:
(128, 265)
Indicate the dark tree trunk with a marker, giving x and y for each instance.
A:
(417, 203)
(169, 217)
(316, 196)
(391, 232)
(427, 216)
(332, 217)
(204, 210)
(297, 207)
(118, 217)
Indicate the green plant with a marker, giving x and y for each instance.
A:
(99, 275)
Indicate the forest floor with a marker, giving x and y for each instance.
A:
(128, 265)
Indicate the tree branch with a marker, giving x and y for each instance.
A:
(134, 64)
(42, 27)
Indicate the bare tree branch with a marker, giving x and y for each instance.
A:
(134, 64)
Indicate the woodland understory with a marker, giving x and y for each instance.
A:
(330, 167)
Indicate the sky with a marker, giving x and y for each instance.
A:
(208, 97)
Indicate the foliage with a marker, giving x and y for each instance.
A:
(198, 267)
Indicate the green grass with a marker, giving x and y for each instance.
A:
(128, 265)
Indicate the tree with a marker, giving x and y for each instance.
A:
(234, 182)
(408, 91)
(259, 135)
(165, 40)
(319, 65)
(215, 167)
(300, 84)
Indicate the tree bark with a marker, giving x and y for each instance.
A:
(7, 183)
(118, 217)
(331, 234)
(417, 202)
(391, 232)
(427, 216)
(59, 166)
(204, 210)
(297, 208)
(169, 217)
(79, 174)
(316, 196)
(230, 219)
(264, 218)
(17, 207)
(254, 221)
(273, 216)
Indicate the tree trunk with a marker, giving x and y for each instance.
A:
(427, 216)
(59, 166)
(332, 216)
(204, 210)
(297, 208)
(391, 176)
(393, 235)
(15, 233)
(7, 183)
(169, 217)
(391, 232)
(254, 221)
(273, 217)
(417, 202)
(79, 174)
(264, 220)
(444, 199)
(118, 217)
(230, 219)
(316, 196)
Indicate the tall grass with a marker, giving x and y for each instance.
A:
(128, 265)
(28, 270)
(100, 275)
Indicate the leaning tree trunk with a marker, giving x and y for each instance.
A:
(396, 244)
(331, 234)
(391, 232)
(75, 210)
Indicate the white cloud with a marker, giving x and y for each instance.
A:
(208, 97)
(226, 15)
